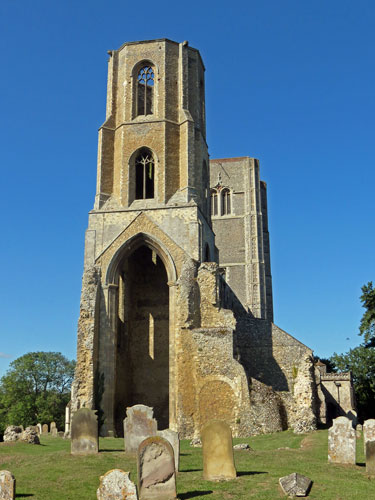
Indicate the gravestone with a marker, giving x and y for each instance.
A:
(156, 471)
(295, 485)
(342, 442)
(40, 430)
(368, 432)
(54, 432)
(60, 434)
(84, 432)
(7, 485)
(370, 458)
(173, 438)
(116, 485)
(45, 429)
(52, 426)
(217, 447)
(139, 424)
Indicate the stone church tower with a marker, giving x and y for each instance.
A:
(176, 306)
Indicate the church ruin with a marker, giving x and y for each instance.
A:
(176, 305)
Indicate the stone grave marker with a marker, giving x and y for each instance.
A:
(342, 442)
(84, 432)
(60, 434)
(156, 471)
(7, 485)
(370, 458)
(368, 432)
(295, 485)
(217, 447)
(45, 429)
(52, 426)
(174, 440)
(116, 485)
(139, 424)
(40, 430)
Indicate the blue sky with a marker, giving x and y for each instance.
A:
(290, 82)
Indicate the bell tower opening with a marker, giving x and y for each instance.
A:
(142, 374)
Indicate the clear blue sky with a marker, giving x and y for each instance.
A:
(290, 82)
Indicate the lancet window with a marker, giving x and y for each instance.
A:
(144, 175)
(225, 202)
(145, 91)
(214, 202)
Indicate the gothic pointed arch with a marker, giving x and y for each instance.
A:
(144, 83)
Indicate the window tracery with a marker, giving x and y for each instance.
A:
(145, 90)
(144, 175)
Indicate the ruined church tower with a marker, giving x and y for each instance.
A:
(153, 327)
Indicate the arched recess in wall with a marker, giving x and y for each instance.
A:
(144, 91)
(142, 175)
(225, 202)
(142, 269)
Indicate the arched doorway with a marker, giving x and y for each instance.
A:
(142, 355)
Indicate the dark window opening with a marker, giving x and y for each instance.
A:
(214, 202)
(145, 91)
(144, 176)
(207, 257)
(225, 202)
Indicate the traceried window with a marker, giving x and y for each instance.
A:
(225, 202)
(214, 202)
(145, 91)
(144, 175)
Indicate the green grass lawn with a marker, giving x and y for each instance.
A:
(49, 472)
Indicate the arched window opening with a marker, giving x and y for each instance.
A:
(214, 202)
(145, 91)
(225, 202)
(144, 175)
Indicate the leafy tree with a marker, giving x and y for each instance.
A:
(367, 325)
(361, 362)
(36, 388)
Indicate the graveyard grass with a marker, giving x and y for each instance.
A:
(50, 472)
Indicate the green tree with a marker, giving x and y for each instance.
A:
(367, 325)
(361, 362)
(36, 388)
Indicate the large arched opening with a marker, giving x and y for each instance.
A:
(142, 272)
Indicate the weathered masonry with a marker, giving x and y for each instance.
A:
(176, 306)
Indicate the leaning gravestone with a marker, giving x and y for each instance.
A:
(84, 432)
(173, 438)
(342, 442)
(45, 429)
(217, 445)
(116, 485)
(368, 431)
(156, 472)
(40, 430)
(370, 458)
(7, 485)
(295, 485)
(139, 424)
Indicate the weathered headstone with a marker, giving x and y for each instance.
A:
(84, 432)
(174, 440)
(217, 447)
(45, 429)
(370, 458)
(54, 432)
(368, 431)
(52, 426)
(139, 424)
(111, 434)
(342, 442)
(295, 485)
(60, 434)
(7, 485)
(40, 430)
(156, 471)
(116, 485)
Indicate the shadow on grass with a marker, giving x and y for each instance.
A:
(192, 494)
(361, 464)
(190, 470)
(24, 495)
(249, 473)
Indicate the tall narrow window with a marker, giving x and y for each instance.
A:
(144, 175)
(214, 200)
(225, 202)
(145, 91)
